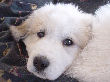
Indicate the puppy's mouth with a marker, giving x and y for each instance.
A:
(40, 74)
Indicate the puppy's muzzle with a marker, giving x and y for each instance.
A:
(40, 63)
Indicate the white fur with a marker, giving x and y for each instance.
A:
(93, 64)
(88, 61)
(60, 22)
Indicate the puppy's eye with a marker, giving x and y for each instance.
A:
(41, 34)
(67, 42)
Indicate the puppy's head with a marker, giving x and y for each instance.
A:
(54, 35)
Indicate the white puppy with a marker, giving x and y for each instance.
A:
(55, 36)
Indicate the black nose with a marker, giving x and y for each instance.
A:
(40, 63)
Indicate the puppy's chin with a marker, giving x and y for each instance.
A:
(49, 75)
(46, 76)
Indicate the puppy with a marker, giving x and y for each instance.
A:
(54, 36)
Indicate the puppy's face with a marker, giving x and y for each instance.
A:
(54, 35)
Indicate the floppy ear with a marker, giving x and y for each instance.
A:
(19, 31)
(86, 29)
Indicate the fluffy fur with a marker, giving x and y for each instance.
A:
(93, 64)
(86, 60)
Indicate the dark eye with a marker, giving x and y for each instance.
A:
(41, 34)
(67, 42)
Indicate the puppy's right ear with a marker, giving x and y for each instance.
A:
(19, 31)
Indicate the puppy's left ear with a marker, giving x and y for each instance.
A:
(19, 29)
(86, 29)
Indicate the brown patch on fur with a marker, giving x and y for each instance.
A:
(19, 31)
